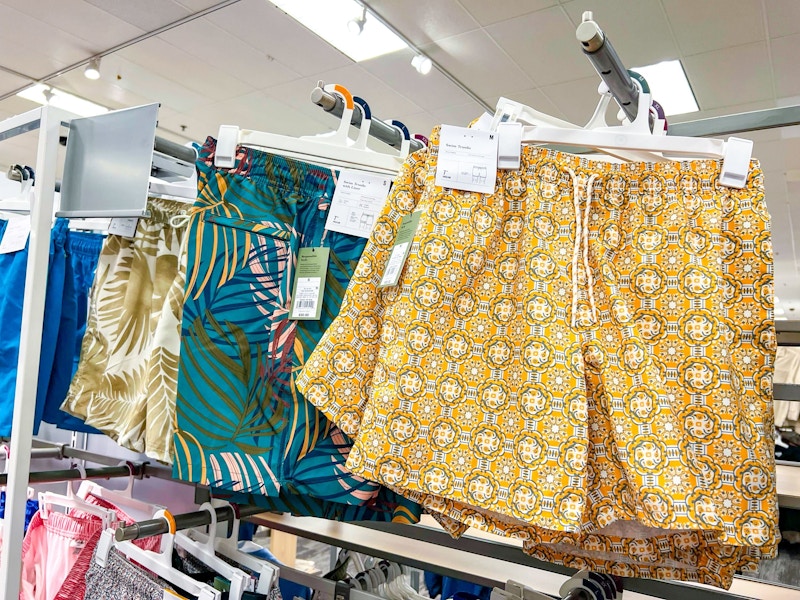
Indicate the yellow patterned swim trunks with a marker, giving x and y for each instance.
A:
(582, 359)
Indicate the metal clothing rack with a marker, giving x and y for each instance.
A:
(48, 120)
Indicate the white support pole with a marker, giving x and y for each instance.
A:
(29, 351)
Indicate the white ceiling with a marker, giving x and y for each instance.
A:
(251, 65)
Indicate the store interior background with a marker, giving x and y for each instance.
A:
(251, 65)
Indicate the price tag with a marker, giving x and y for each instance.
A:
(467, 159)
(125, 227)
(309, 284)
(402, 245)
(357, 201)
(16, 235)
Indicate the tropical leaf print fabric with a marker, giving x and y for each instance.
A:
(242, 427)
(582, 360)
(110, 388)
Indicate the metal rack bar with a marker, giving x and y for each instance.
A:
(756, 120)
(153, 527)
(74, 474)
(598, 49)
(789, 392)
(431, 548)
(378, 129)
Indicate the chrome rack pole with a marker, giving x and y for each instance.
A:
(378, 129)
(74, 474)
(153, 527)
(598, 49)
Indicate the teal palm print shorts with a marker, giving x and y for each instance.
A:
(242, 427)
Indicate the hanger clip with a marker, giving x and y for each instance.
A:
(509, 145)
(227, 140)
(736, 163)
(104, 547)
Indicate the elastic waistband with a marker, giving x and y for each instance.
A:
(535, 160)
(76, 528)
(162, 210)
(86, 242)
(287, 174)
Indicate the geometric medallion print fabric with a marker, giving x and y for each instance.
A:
(582, 360)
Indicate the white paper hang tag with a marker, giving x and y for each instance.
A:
(467, 159)
(125, 227)
(509, 145)
(357, 201)
(309, 284)
(15, 235)
(736, 164)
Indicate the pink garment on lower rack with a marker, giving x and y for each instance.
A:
(50, 549)
(74, 585)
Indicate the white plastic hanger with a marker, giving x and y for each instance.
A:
(136, 509)
(329, 149)
(228, 546)
(159, 563)
(19, 203)
(72, 501)
(632, 136)
(204, 551)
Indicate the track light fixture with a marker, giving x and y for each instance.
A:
(356, 26)
(92, 70)
(422, 64)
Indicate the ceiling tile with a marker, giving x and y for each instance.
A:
(430, 91)
(261, 112)
(9, 82)
(722, 111)
(424, 22)
(101, 29)
(487, 13)
(106, 91)
(785, 51)
(196, 5)
(577, 99)
(544, 45)
(731, 76)
(35, 48)
(144, 14)
(476, 60)
(783, 17)
(535, 99)
(458, 114)
(173, 122)
(714, 24)
(273, 33)
(792, 154)
(185, 70)
(155, 87)
(217, 46)
(771, 154)
(623, 22)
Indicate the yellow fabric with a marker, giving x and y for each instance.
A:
(637, 442)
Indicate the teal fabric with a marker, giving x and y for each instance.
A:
(242, 427)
